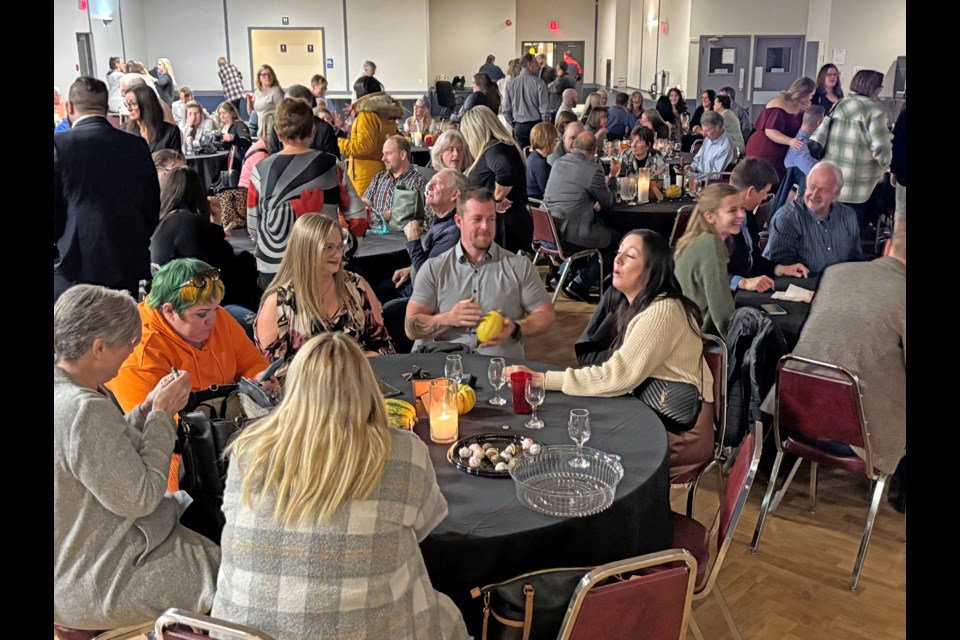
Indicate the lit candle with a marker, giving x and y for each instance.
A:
(443, 412)
(643, 185)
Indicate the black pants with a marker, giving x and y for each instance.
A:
(521, 132)
(61, 284)
(394, 314)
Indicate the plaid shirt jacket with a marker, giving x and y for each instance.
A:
(860, 143)
(232, 81)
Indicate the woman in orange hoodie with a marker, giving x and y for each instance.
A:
(184, 327)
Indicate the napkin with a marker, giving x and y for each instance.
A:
(794, 294)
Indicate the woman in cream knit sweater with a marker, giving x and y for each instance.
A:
(654, 333)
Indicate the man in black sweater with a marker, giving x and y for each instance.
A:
(324, 137)
(101, 224)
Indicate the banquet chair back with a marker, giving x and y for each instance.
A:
(817, 404)
(680, 223)
(546, 242)
(177, 624)
(696, 146)
(654, 602)
(446, 98)
(61, 632)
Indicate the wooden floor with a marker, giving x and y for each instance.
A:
(796, 585)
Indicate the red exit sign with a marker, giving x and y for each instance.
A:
(83, 5)
(553, 25)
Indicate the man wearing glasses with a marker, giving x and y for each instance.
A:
(101, 226)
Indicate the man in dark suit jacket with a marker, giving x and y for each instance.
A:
(748, 269)
(106, 198)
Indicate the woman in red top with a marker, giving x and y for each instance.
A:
(777, 126)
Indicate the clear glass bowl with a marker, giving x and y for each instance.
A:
(548, 484)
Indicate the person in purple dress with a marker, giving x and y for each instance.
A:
(776, 129)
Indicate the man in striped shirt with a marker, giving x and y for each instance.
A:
(817, 231)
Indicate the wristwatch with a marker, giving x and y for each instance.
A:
(517, 332)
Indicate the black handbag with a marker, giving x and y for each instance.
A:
(677, 404)
(530, 606)
(209, 421)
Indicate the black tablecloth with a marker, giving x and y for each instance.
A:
(489, 536)
(797, 312)
(658, 216)
(420, 156)
(208, 165)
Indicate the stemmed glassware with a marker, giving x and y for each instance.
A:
(453, 369)
(495, 376)
(579, 429)
(535, 392)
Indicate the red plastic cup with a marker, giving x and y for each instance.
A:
(518, 383)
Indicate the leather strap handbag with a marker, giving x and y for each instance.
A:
(530, 606)
(677, 404)
(817, 142)
(408, 204)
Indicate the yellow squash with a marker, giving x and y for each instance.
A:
(400, 414)
(490, 326)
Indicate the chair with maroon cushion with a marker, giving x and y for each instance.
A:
(691, 535)
(652, 603)
(544, 231)
(66, 633)
(715, 353)
(680, 223)
(177, 624)
(816, 404)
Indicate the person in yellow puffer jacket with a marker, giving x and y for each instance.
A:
(375, 118)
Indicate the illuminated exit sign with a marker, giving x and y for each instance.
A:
(554, 25)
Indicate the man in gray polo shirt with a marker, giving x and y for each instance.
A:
(525, 102)
(454, 290)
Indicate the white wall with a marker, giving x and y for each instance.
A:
(874, 33)
(606, 40)
(193, 45)
(818, 26)
(393, 36)
(69, 21)
(133, 18)
(674, 46)
(576, 18)
(464, 32)
(107, 40)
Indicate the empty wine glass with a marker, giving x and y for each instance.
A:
(453, 369)
(579, 429)
(495, 376)
(535, 392)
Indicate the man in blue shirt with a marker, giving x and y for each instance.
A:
(816, 231)
(491, 69)
(717, 151)
(620, 122)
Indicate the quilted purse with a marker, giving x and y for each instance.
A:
(677, 404)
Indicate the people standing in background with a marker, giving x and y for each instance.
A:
(375, 119)
(231, 80)
(564, 82)
(117, 68)
(179, 108)
(828, 92)
(525, 103)
(572, 62)
(546, 73)
(491, 69)
(731, 123)
(318, 87)
(485, 93)
(369, 71)
(513, 70)
(778, 123)
(166, 81)
(268, 95)
(746, 124)
(798, 162)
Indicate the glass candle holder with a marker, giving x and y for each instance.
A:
(444, 425)
(643, 185)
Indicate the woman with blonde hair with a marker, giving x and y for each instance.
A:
(268, 95)
(500, 167)
(450, 151)
(325, 480)
(166, 81)
(593, 101)
(312, 293)
(702, 255)
(777, 126)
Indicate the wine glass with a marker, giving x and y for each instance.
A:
(495, 376)
(579, 429)
(453, 369)
(535, 392)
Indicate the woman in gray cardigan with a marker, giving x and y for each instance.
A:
(120, 555)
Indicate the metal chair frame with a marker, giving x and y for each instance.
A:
(199, 622)
(632, 565)
(559, 253)
(879, 479)
(123, 633)
(675, 232)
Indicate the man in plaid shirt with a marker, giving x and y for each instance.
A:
(398, 172)
(232, 81)
(860, 143)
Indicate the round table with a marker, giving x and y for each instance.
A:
(792, 323)
(420, 156)
(488, 536)
(208, 165)
(657, 216)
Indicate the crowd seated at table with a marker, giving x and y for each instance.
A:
(398, 173)
(717, 152)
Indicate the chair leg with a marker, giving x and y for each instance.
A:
(563, 278)
(600, 260)
(695, 628)
(865, 541)
(765, 505)
(731, 623)
(813, 487)
(786, 485)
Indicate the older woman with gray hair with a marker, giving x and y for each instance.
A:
(451, 152)
(120, 554)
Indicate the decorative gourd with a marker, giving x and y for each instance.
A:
(400, 414)
(490, 326)
(466, 399)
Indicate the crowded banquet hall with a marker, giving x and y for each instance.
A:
(437, 319)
